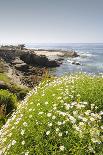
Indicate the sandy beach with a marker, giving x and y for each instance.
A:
(49, 53)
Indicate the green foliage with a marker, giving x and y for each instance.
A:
(61, 117)
(2, 67)
(8, 100)
(2, 121)
(4, 77)
(20, 92)
(90, 89)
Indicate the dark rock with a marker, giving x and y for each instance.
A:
(28, 57)
(60, 59)
(52, 63)
(75, 63)
(3, 85)
(33, 59)
(17, 61)
(40, 60)
(22, 67)
(36, 60)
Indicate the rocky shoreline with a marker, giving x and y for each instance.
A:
(23, 69)
(27, 67)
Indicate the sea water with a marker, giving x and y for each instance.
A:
(90, 59)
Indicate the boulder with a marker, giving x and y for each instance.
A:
(52, 63)
(40, 60)
(17, 61)
(60, 59)
(22, 67)
(75, 63)
(70, 54)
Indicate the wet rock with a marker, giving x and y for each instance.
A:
(52, 63)
(75, 63)
(70, 54)
(60, 59)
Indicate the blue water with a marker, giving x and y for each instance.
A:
(91, 57)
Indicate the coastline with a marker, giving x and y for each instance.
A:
(48, 53)
(30, 65)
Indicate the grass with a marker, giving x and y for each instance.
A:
(7, 100)
(8, 103)
(14, 88)
(9, 97)
(3, 70)
(60, 117)
(19, 91)
(4, 77)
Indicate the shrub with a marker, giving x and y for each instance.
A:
(19, 91)
(55, 120)
(7, 100)
(2, 121)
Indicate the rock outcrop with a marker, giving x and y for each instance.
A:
(71, 54)
(74, 62)
(27, 57)
(22, 67)
(38, 60)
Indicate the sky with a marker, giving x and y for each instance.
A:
(51, 21)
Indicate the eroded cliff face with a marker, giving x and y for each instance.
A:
(23, 67)
(9, 55)
(27, 57)
(28, 67)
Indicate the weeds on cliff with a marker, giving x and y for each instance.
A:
(20, 92)
(4, 78)
(57, 118)
(7, 102)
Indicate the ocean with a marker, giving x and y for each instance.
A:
(90, 59)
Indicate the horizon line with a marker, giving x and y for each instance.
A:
(8, 43)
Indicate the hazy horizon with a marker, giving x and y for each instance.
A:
(46, 21)
(46, 43)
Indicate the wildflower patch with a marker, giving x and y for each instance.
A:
(57, 118)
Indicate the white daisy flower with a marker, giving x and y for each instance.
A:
(23, 142)
(13, 142)
(60, 134)
(25, 124)
(62, 148)
(49, 114)
(48, 132)
(22, 132)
